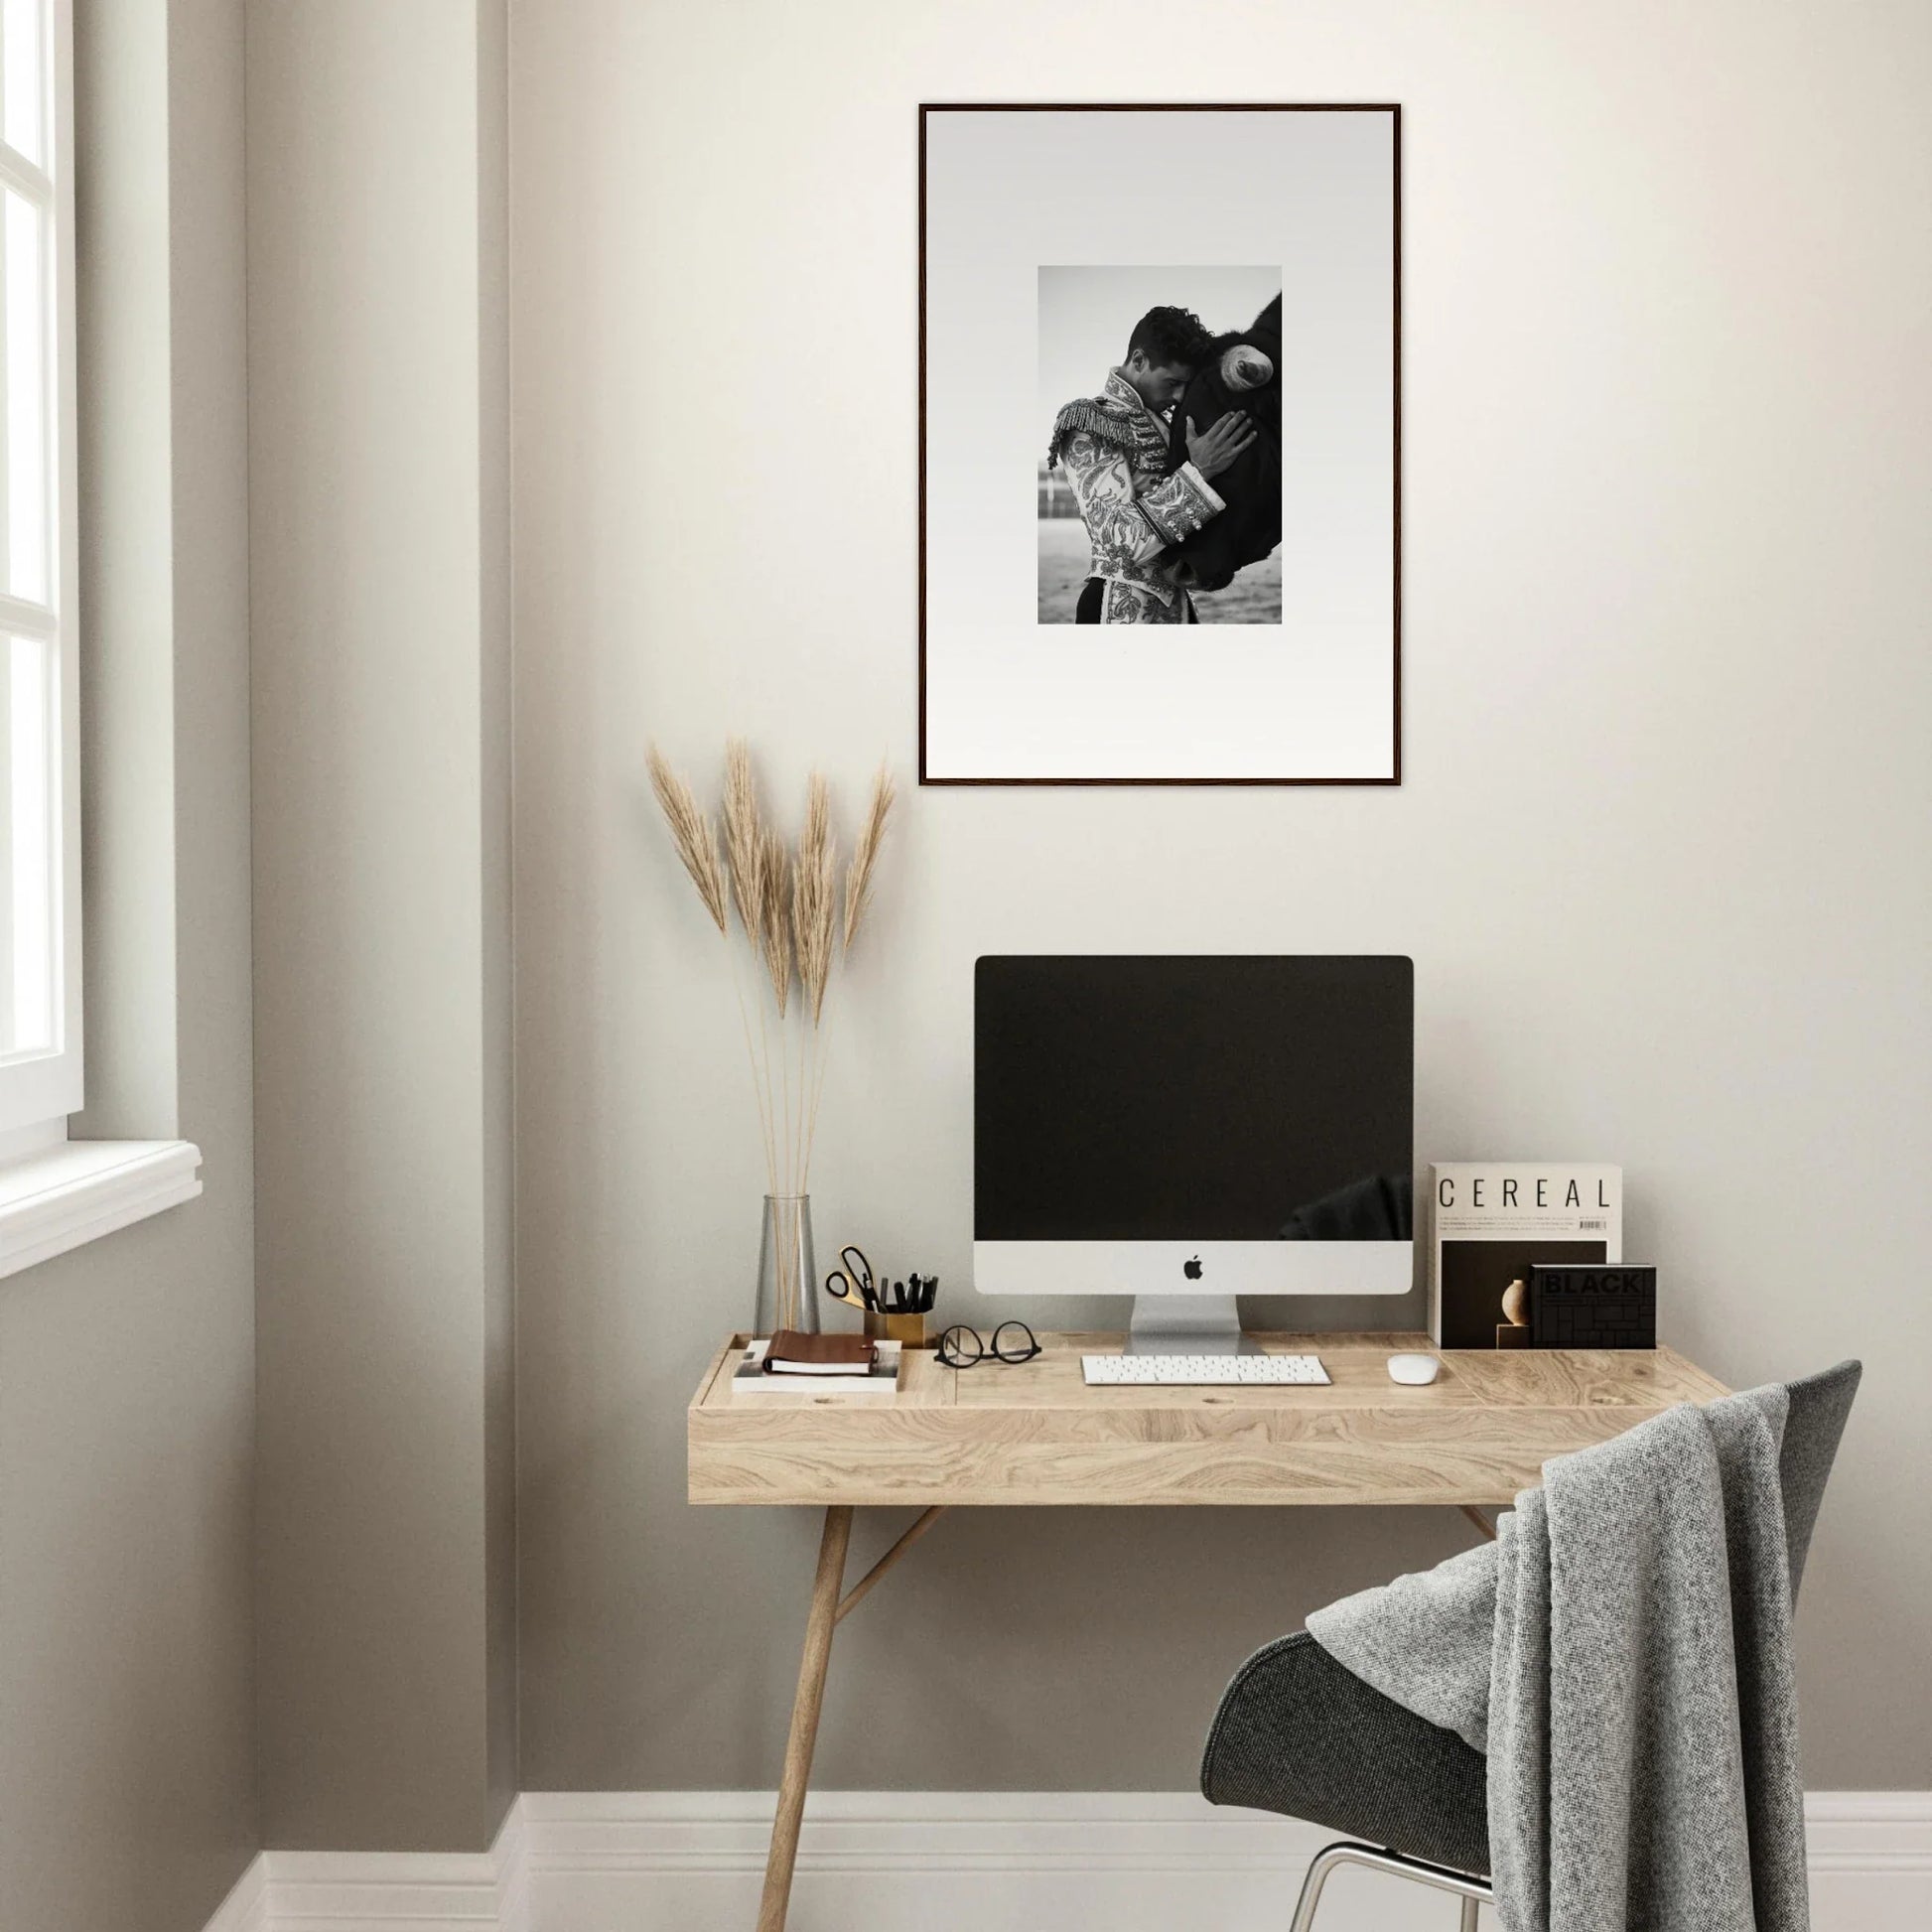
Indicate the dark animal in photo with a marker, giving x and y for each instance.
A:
(1251, 525)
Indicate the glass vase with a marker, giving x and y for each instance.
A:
(788, 1268)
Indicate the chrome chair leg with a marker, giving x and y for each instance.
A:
(1324, 1862)
(1471, 1890)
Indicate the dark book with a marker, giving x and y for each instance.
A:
(1610, 1306)
(794, 1353)
(880, 1378)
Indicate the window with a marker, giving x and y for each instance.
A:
(40, 855)
(54, 1192)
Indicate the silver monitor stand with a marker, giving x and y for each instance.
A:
(1187, 1324)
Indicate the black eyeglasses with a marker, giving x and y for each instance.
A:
(1012, 1341)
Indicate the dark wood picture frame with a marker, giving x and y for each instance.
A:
(1391, 108)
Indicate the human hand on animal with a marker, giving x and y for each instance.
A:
(1213, 451)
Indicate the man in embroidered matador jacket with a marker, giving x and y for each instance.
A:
(1116, 447)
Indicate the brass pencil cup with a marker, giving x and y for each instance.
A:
(906, 1328)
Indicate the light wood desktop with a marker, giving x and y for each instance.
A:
(1032, 1433)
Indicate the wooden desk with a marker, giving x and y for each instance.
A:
(1034, 1433)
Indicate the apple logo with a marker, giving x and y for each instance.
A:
(1191, 1269)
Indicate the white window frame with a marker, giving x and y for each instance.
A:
(56, 1193)
(38, 1091)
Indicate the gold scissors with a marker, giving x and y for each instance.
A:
(852, 1280)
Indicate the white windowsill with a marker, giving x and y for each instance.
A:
(77, 1190)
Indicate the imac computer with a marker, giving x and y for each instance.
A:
(1190, 1129)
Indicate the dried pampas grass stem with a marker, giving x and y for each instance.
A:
(696, 842)
(743, 837)
(789, 908)
(692, 833)
(775, 917)
(814, 897)
(865, 855)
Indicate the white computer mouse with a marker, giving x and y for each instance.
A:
(1414, 1369)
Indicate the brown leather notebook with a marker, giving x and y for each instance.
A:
(792, 1353)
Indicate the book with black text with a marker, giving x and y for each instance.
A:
(1490, 1220)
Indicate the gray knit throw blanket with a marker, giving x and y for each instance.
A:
(1623, 1652)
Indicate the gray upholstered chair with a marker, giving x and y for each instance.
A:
(1299, 1735)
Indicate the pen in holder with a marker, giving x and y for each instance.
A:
(903, 1310)
(893, 1310)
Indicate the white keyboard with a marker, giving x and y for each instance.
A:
(1201, 1371)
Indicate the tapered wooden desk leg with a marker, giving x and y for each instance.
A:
(804, 1719)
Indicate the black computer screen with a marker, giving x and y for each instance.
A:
(1230, 1098)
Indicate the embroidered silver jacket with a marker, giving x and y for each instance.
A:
(1115, 452)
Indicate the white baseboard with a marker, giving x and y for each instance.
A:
(954, 1861)
(245, 1909)
(386, 1892)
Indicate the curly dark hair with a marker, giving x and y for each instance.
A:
(1170, 337)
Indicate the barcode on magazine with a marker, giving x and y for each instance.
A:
(1599, 1225)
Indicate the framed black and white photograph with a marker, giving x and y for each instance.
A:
(1168, 336)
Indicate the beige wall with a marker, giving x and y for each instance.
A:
(1660, 855)
(494, 855)
(379, 502)
(127, 1762)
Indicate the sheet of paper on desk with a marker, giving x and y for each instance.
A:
(750, 1377)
